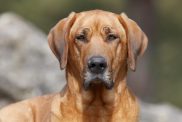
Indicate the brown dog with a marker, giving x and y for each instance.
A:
(96, 48)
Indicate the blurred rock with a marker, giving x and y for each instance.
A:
(159, 113)
(28, 68)
(4, 100)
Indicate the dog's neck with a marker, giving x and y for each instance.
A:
(97, 99)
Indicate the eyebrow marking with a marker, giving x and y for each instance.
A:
(107, 29)
(85, 31)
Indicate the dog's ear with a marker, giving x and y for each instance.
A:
(137, 40)
(58, 37)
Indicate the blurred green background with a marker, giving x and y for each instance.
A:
(160, 19)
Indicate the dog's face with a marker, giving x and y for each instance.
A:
(98, 41)
(97, 45)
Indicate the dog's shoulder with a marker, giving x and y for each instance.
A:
(17, 112)
(26, 111)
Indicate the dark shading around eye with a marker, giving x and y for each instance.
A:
(80, 37)
(112, 37)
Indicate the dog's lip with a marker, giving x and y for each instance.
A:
(96, 80)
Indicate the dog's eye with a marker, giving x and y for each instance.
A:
(81, 37)
(112, 37)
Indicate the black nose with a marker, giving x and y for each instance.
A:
(97, 64)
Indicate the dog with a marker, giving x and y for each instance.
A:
(96, 48)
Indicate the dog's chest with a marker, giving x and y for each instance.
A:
(77, 118)
(83, 118)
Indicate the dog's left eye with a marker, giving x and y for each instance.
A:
(112, 37)
(81, 37)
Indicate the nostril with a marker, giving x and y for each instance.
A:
(92, 65)
(102, 65)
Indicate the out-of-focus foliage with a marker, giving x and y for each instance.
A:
(166, 59)
(168, 65)
(45, 13)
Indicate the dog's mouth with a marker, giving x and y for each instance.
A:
(91, 80)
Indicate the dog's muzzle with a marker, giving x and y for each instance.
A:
(97, 73)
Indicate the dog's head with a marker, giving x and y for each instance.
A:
(97, 45)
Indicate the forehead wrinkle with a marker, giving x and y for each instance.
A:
(114, 25)
(82, 22)
(96, 22)
(110, 22)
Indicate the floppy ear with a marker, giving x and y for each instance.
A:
(137, 40)
(57, 39)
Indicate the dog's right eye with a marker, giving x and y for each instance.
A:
(112, 37)
(81, 37)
